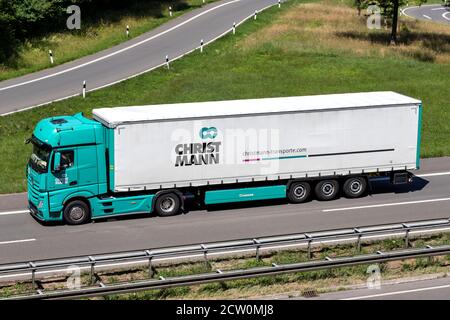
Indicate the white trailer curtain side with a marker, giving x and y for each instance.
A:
(224, 142)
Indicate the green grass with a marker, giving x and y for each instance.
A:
(106, 31)
(280, 54)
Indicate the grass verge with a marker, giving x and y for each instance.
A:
(300, 49)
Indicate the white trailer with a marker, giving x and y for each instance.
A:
(262, 140)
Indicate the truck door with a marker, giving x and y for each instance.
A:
(67, 177)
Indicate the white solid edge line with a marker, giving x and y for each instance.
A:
(433, 174)
(137, 74)
(386, 205)
(121, 50)
(5, 213)
(16, 241)
(398, 292)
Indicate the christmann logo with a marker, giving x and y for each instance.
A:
(201, 153)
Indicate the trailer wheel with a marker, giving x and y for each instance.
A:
(326, 189)
(76, 212)
(167, 204)
(299, 192)
(354, 187)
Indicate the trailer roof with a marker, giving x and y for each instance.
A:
(113, 117)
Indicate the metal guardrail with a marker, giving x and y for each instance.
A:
(161, 283)
(217, 249)
(308, 239)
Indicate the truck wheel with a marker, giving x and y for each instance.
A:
(167, 204)
(299, 192)
(327, 189)
(76, 212)
(354, 187)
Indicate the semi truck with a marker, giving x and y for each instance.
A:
(157, 159)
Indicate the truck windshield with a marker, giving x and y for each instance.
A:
(40, 156)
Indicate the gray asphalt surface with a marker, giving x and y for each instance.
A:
(435, 289)
(175, 38)
(23, 238)
(433, 12)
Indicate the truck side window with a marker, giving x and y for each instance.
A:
(67, 157)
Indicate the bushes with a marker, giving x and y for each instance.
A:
(24, 19)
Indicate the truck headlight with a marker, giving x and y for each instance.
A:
(41, 204)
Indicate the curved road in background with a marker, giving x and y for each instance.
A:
(432, 12)
(23, 238)
(144, 53)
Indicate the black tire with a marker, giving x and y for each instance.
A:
(76, 212)
(299, 192)
(355, 187)
(167, 204)
(326, 190)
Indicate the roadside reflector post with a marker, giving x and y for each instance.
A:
(92, 262)
(170, 11)
(84, 89)
(128, 31)
(201, 46)
(256, 14)
(234, 27)
(50, 54)
(167, 62)
(279, 3)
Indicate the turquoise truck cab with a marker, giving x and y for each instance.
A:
(67, 162)
(70, 173)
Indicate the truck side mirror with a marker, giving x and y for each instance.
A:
(57, 162)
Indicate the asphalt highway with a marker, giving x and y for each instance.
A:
(175, 38)
(23, 238)
(432, 12)
(434, 289)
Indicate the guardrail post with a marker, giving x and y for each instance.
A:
(92, 262)
(257, 244)
(33, 274)
(205, 255)
(358, 243)
(151, 269)
(430, 258)
(406, 234)
(309, 245)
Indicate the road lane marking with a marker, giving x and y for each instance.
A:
(433, 174)
(437, 9)
(5, 213)
(444, 15)
(121, 50)
(16, 241)
(386, 205)
(398, 292)
(428, 17)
